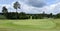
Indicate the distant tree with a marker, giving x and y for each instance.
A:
(11, 15)
(43, 14)
(51, 15)
(16, 6)
(58, 15)
(23, 15)
(4, 11)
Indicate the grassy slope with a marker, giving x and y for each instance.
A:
(26, 25)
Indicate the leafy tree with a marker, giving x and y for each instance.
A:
(51, 15)
(43, 14)
(11, 15)
(5, 11)
(16, 6)
(58, 15)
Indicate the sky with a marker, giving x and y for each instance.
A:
(33, 6)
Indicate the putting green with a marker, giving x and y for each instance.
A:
(36, 23)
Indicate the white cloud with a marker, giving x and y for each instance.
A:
(53, 8)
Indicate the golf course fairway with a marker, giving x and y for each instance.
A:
(30, 25)
(42, 24)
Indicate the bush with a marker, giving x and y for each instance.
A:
(11, 15)
(37, 17)
(22, 15)
(2, 17)
(57, 16)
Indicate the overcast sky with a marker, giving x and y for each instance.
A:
(33, 6)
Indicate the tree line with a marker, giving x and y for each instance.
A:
(15, 15)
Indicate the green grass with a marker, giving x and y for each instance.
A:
(30, 25)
